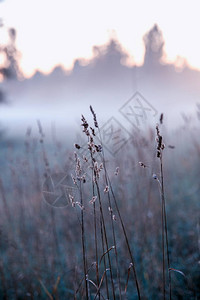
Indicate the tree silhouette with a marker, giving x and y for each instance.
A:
(154, 44)
(10, 68)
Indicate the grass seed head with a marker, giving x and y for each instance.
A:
(106, 190)
(117, 171)
(94, 117)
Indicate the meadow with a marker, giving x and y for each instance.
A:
(121, 227)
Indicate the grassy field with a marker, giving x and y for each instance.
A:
(129, 225)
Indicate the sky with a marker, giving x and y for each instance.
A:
(51, 33)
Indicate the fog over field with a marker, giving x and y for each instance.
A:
(106, 83)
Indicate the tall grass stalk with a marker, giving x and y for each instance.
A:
(160, 148)
(127, 241)
(106, 238)
(112, 223)
(96, 177)
(165, 225)
(108, 183)
(83, 242)
(96, 243)
(94, 183)
(95, 231)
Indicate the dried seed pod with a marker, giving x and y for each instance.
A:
(77, 146)
(106, 190)
(117, 171)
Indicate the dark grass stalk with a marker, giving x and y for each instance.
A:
(47, 293)
(126, 239)
(104, 260)
(102, 278)
(106, 239)
(103, 227)
(95, 238)
(160, 148)
(76, 290)
(116, 255)
(108, 182)
(113, 230)
(111, 211)
(165, 225)
(123, 227)
(163, 252)
(112, 223)
(95, 224)
(83, 243)
(94, 179)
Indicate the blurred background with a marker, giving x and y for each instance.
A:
(57, 58)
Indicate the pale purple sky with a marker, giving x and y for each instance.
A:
(52, 32)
